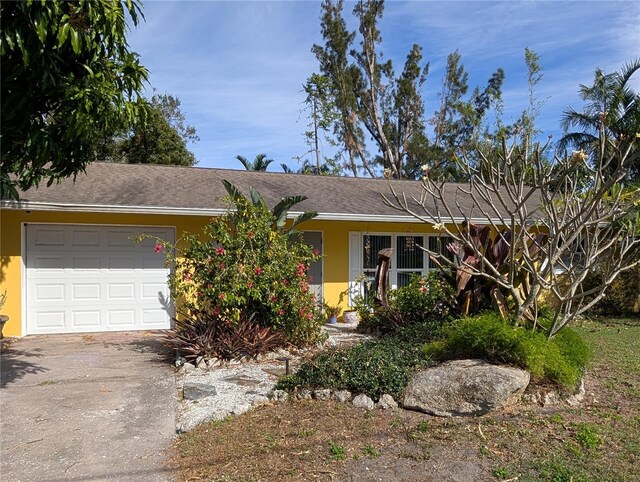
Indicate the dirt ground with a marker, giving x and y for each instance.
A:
(308, 440)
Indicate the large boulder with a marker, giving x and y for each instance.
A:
(464, 388)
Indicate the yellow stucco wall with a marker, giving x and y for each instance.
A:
(335, 247)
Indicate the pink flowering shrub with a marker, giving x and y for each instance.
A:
(245, 263)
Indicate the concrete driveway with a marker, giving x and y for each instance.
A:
(86, 407)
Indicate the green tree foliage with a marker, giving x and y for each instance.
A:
(459, 124)
(369, 98)
(68, 80)
(611, 111)
(368, 95)
(321, 113)
(260, 163)
(161, 137)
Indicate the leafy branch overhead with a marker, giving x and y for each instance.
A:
(280, 211)
(68, 81)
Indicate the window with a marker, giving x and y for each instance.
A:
(408, 258)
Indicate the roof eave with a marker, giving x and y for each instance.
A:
(181, 211)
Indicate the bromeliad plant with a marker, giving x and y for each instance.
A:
(250, 261)
(490, 270)
(205, 334)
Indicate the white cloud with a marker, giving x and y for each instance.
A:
(238, 67)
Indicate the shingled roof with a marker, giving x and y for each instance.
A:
(159, 189)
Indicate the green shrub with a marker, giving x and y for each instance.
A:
(427, 300)
(561, 360)
(622, 297)
(373, 368)
(247, 262)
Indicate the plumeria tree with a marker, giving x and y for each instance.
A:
(538, 235)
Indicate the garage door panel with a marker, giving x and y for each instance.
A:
(97, 280)
(85, 292)
(121, 291)
(85, 238)
(86, 319)
(48, 263)
(83, 263)
(121, 263)
(50, 320)
(123, 319)
(153, 291)
(153, 317)
(48, 237)
(50, 292)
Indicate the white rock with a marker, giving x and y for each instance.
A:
(387, 402)
(279, 395)
(304, 394)
(202, 364)
(188, 367)
(323, 394)
(342, 396)
(362, 401)
(578, 397)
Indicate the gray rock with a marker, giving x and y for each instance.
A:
(214, 362)
(259, 399)
(323, 394)
(577, 398)
(279, 395)
(387, 402)
(342, 396)
(551, 398)
(197, 391)
(188, 367)
(464, 388)
(532, 398)
(180, 360)
(304, 394)
(202, 364)
(362, 401)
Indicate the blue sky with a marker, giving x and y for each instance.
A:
(238, 67)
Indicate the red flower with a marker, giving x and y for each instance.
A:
(216, 311)
(220, 251)
(274, 299)
(188, 277)
(423, 289)
(222, 296)
(249, 284)
(221, 266)
(258, 270)
(316, 252)
(250, 234)
(285, 282)
(280, 312)
(158, 248)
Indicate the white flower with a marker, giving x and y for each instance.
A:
(438, 226)
(579, 156)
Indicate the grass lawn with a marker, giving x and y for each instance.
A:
(598, 441)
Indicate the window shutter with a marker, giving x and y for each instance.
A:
(355, 265)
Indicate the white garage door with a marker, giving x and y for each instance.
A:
(95, 278)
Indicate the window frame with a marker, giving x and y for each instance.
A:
(356, 257)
